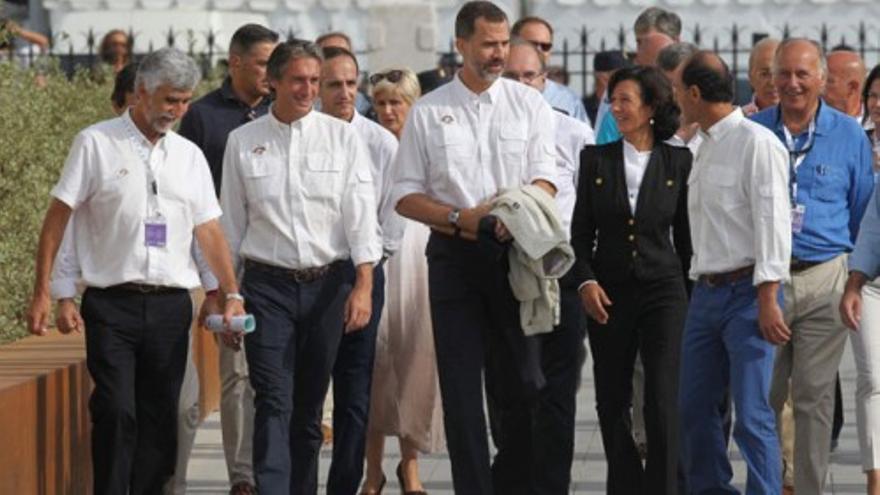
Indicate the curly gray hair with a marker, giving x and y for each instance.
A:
(167, 66)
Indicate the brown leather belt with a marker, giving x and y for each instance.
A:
(302, 276)
(801, 265)
(145, 288)
(727, 278)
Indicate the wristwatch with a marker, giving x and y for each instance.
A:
(453, 217)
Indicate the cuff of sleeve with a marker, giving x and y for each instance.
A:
(207, 216)
(366, 255)
(401, 191)
(553, 180)
(770, 272)
(209, 281)
(62, 288)
(859, 265)
(65, 197)
(584, 284)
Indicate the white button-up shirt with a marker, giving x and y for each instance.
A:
(635, 163)
(299, 195)
(107, 182)
(461, 148)
(571, 137)
(383, 148)
(738, 201)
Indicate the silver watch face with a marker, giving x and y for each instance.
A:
(453, 217)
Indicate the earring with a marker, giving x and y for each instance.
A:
(651, 121)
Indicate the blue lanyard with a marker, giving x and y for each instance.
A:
(795, 155)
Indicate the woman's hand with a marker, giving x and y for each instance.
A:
(594, 299)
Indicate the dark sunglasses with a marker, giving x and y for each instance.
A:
(544, 47)
(393, 76)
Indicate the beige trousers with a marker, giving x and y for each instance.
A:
(236, 414)
(806, 367)
(866, 351)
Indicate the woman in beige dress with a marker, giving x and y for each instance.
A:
(405, 399)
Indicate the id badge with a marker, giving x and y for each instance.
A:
(155, 231)
(797, 218)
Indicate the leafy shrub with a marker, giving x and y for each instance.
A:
(37, 126)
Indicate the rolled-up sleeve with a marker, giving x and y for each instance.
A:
(865, 257)
(76, 182)
(771, 211)
(410, 170)
(359, 205)
(541, 151)
(66, 269)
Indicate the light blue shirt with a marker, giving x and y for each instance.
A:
(563, 98)
(865, 257)
(834, 182)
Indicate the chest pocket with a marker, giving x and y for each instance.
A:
(722, 185)
(322, 176)
(453, 148)
(512, 140)
(829, 183)
(262, 179)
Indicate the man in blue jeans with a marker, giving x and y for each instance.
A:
(741, 231)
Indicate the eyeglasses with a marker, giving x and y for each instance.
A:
(393, 76)
(525, 77)
(544, 47)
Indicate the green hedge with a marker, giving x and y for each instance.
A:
(37, 126)
(36, 129)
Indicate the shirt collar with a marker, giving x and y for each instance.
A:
(300, 124)
(720, 128)
(824, 121)
(490, 95)
(227, 92)
(136, 133)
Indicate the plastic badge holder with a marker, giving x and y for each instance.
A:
(244, 323)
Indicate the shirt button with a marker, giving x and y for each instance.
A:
(635, 253)
(631, 221)
(632, 237)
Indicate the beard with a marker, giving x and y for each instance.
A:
(163, 122)
(491, 70)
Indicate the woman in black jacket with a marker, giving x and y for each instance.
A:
(632, 240)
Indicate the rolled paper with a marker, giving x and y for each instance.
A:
(244, 323)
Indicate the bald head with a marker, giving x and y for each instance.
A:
(651, 46)
(843, 86)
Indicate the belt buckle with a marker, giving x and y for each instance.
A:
(301, 276)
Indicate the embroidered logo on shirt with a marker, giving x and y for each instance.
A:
(122, 172)
(259, 150)
(446, 119)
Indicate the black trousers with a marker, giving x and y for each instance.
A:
(648, 317)
(477, 331)
(290, 357)
(562, 357)
(352, 378)
(136, 353)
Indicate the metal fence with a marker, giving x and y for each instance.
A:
(574, 55)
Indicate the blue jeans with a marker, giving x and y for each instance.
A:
(290, 356)
(352, 378)
(723, 346)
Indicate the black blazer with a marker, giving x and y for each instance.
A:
(631, 247)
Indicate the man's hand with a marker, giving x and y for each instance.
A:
(594, 300)
(38, 313)
(358, 308)
(210, 306)
(770, 318)
(67, 317)
(501, 232)
(851, 302)
(233, 308)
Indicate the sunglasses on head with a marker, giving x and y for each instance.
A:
(544, 47)
(393, 76)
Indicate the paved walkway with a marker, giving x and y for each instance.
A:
(207, 470)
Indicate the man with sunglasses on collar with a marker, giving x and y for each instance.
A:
(462, 144)
(353, 370)
(830, 182)
(539, 33)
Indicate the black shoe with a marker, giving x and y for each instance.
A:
(377, 492)
(403, 485)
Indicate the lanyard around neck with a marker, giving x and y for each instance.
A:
(797, 155)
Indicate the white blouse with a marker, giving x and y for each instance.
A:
(634, 164)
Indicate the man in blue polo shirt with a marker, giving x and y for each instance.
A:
(830, 183)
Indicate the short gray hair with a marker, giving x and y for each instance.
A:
(662, 20)
(823, 62)
(167, 66)
(675, 54)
